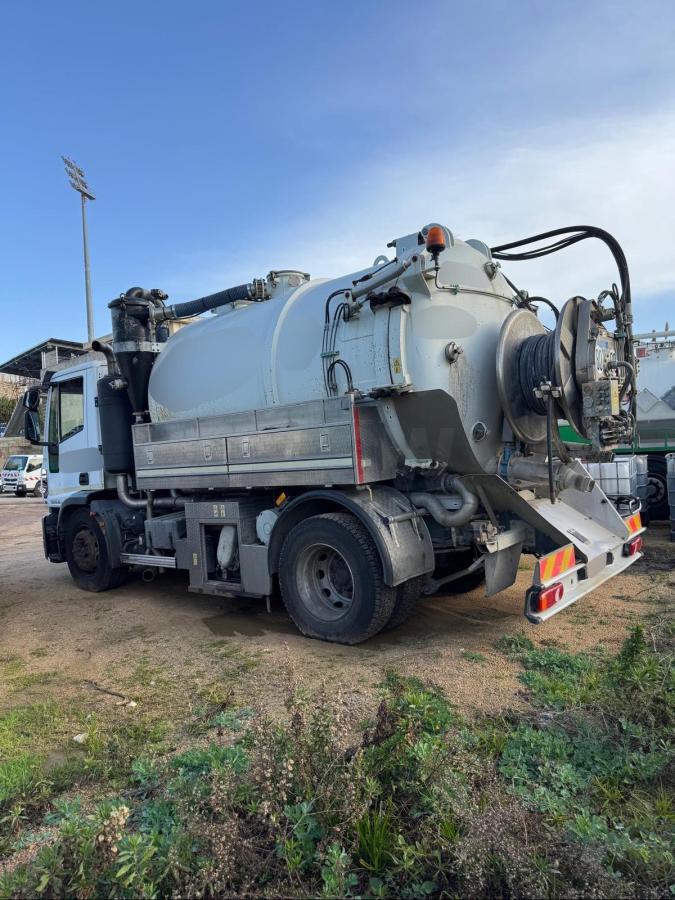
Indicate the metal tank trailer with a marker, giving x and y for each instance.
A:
(371, 438)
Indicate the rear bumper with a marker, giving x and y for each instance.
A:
(577, 582)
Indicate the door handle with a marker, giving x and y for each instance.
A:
(84, 477)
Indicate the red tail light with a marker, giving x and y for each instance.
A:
(549, 596)
(633, 547)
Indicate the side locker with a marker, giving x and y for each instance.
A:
(223, 552)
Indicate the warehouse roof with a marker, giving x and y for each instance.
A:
(32, 361)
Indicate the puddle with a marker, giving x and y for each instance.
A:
(249, 622)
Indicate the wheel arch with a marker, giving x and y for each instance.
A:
(105, 508)
(73, 502)
(404, 548)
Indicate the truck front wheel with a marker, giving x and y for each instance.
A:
(331, 580)
(87, 554)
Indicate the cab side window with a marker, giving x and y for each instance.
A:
(66, 416)
(71, 408)
(34, 465)
(53, 431)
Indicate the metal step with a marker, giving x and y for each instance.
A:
(148, 559)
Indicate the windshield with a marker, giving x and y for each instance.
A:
(16, 463)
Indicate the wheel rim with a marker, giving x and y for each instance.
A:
(325, 582)
(656, 490)
(86, 551)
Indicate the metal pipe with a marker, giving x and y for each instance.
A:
(387, 275)
(448, 518)
(142, 502)
(524, 471)
(87, 279)
(107, 351)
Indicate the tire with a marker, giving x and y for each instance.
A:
(87, 554)
(38, 490)
(331, 580)
(407, 595)
(657, 497)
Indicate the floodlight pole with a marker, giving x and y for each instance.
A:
(87, 279)
(78, 183)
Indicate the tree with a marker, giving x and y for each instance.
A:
(7, 405)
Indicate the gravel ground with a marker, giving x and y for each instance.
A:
(50, 626)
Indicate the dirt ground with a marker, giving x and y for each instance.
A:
(53, 629)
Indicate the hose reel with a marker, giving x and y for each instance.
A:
(575, 358)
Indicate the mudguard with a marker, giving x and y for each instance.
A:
(397, 529)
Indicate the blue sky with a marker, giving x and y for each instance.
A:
(225, 139)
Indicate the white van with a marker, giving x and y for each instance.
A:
(23, 474)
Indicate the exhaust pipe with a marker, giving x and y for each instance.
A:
(149, 503)
(107, 351)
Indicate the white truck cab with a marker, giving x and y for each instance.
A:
(73, 457)
(23, 474)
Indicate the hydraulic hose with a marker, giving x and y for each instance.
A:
(448, 518)
(629, 381)
(549, 447)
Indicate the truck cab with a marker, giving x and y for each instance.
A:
(73, 458)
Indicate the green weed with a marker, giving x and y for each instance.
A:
(573, 797)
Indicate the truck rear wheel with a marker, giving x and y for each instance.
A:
(657, 479)
(87, 554)
(331, 580)
(407, 595)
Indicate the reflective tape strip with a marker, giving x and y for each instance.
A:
(633, 523)
(556, 563)
(358, 450)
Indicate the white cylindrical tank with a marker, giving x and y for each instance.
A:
(255, 355)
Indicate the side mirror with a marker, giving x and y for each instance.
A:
(31, 427)
(31, 399)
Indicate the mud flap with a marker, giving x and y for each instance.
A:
(502, 558)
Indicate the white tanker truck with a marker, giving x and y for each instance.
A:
(361, 441)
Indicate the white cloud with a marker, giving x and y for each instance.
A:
(617, 174)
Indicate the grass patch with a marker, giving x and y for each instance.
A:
(419, 803)
(471, 656)
(10, 666)
(33, 679)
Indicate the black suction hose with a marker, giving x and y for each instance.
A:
(211, 301)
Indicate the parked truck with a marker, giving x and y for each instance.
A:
(655, 426)
(359, 441)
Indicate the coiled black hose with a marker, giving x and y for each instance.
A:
(535, 364)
